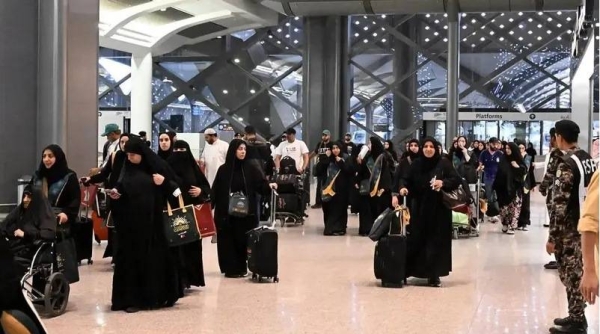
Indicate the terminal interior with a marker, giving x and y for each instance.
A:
(395, 71)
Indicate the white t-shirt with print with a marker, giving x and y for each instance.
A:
(293, 150)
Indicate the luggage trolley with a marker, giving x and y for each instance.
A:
(290, 205)
(466, 224)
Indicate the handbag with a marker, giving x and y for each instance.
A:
(180, 224)
(66, 259)
(239, 204)
(455, 198)
(204, 220)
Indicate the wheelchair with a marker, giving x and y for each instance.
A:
(43, 283)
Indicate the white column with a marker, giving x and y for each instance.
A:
(141, 93)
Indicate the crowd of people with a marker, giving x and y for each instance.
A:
(368, 179)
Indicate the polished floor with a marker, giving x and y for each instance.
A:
(327, 286)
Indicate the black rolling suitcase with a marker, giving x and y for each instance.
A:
(390, 257)
(262, 249)
(82, 231)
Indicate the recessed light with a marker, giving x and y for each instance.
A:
(549, 19)
(445, 40)
(559, 13)
(482, 39)
(501, 39)
(569, 31)
(383, 16)
(530, 32)
(472, 45)
(559, 25)
(520, 38)
(252, 91)
(512, 32)
(540, 13)
(236, 60)
(502, 26)
(225, 91)
(464, 14)
(296, 30)
(464, 27)
(357, 22)
(483, 14)
(296, 18)
(436, 33)
(266, 119)
(520, 13)
(287, 24)
(464, 39)
(383, 40)
(366, 28)
(539, 38)
(426, 40)
(511, 20)
(559, 38)
(240, 119)
(356, 34)
(426, 27)
(521, 26)
(366, 40)
(428, 15)
(279, 30)
(530, 19)
(295, 41)
(270, 36)
(540, 26)
(445, 14)
(287, 36)
(569, 18)
(437, 21)
(445, 27)
(492, 33)
(473, 21)
(549, 32)
(278, 42)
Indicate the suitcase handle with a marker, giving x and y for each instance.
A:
(274, 196)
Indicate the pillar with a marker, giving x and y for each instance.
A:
(324, 69)
(405, 61)
(67, 91)
(453, 71)
(141, 92)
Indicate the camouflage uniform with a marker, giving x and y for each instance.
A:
(564, 235)
(548, 181)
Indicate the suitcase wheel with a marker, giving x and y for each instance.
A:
(90, 262)
(276, 280)
(254, 277)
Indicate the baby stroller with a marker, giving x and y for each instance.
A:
(466, 218)
(43, 283)
(290, 204)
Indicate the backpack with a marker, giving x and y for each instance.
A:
(287, 165)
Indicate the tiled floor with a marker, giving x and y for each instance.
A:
(327, 286)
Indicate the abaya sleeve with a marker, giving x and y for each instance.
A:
(261, 184)
(220, 189)
(8, 226)
(70, 199)
(450, 176)
(104, 172)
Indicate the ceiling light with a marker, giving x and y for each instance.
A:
(436, 33)
(520, 38)
(365, 16)
(366, 40)
(559, 25)
(426, 27)
(296, 29)
(262, 42)
(383, 16)
(464, 27)
(569, 31)
(163, 10)
(270, 36)
(502, 26)
(549, 32)
(374, 22)
(278, 42)
(472, 45)
(464, 14)
(366, 28)
(530, 32)
(287, 47)
(501, 39)
(446, 27)
(559, 38)
(521, 26)
(428, 15)
(426, 40)
(236, 60)
(530, 19)
(540, 26)
(530, 45)
(437, 21)
(559, 13)
(483, 14)
(222, 36)
(295, 41)
(240, 119)
(520, 13)
(445, 40)
(225, 91)
(539, 38)
(287, 36)
(357, 22)
(383, 40)
(296, 18)
(464, 39)
(540, 13)
(549, 19)
(287, 24)
(569, 18)
(374, 34)
(492, 33)
(279, 30)
(512, 32)
(266, 119)
(252, 91)
(356, 34)
(383, 28)
(511, 19)
(445, 14)
(482, 39)
(474, 33)
(473, 21)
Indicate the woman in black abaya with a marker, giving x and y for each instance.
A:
(377, 167)
(429, 242)
(236, 175)
(337, 174)
(509, 187)
(146, 275)
(195, 191)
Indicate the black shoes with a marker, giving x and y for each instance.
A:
(569, 325)
(551, 265)
(434, 282)
(240, 275)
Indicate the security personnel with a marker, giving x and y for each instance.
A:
(573, 175)
(551, 166)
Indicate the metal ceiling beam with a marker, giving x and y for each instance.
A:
(366, 7)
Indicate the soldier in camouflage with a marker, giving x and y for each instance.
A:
(564, 240)
(548, 181)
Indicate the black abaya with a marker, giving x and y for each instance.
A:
(429, 251)
(335, 211)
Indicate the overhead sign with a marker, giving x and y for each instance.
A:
(499, 116)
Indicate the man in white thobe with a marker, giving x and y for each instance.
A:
(214, 154)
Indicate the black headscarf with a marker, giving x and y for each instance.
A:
(391, 150)
(339, 145)
(129, 136)
(377, 148)
(185, 166)
(427, 164)
(231, 159)
(515, 154)
(166, 154)
(151, 162)
(59, 170)
(410, 153)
